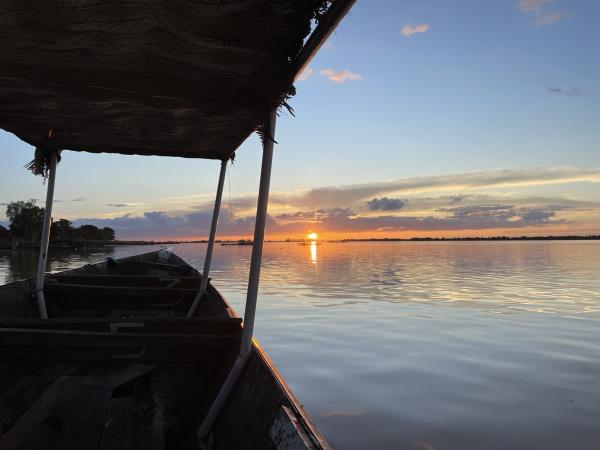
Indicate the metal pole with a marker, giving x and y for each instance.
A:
(328, 23)
(259, 237)
(39, 283)
(211, 242)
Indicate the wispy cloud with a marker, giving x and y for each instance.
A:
(573, 92)
(305, 74)
(341, 76)
(79, 199)
(409, 30)
(536, 9)
(532, 5)
(118, 205)
(548, 18)
(351, 194)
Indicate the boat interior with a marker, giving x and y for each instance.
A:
(117, 340)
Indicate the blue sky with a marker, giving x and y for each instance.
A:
(404, 91)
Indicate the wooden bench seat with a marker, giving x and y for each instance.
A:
(149, 340)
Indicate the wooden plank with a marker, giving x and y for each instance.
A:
(114, 376)
(287, 433)
(180, 325)
(71, 296)
(22, 384)
(118, 431)
(124, 280)
(69, 415)
(145, 267)
(81, 346)
(83, 289)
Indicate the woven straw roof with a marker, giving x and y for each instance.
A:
(189, 78)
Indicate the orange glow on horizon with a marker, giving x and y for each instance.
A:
(312, 236)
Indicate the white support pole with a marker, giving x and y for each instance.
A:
(41, 269)
(259, 236)
(251, 296)
(211, 242)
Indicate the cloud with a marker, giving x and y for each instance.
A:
(535, 9)
(79, 199)
(305, 74)
(385, 204)
(409, 30)
(454, 219)
(502, 216)
(532, 5)
(548, 18)
(332, 196)
(341, 76)
(573, 92)
(490, 200)
(118, 205)
(160, 224)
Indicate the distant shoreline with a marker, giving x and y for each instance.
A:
(491, 238)
(7, 245)
(424, 239)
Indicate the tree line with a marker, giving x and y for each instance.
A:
(26, 220)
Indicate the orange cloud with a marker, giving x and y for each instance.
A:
(341, 76)
(409, 30)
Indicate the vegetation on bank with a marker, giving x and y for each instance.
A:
(26, 220)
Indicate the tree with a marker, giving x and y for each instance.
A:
(26, 219)
(4, 233)
(61, 230)
(108, 234)
(93, 233)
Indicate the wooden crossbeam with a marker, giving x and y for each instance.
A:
(26, 344)
(194, 326)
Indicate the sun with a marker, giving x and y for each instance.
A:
(312, 236)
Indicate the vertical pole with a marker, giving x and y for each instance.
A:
(39, 283)
(259, 237)
(211, 241)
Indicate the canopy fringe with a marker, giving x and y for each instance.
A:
(40, 164)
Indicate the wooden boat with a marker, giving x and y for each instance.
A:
(143, 352)
(118, 365)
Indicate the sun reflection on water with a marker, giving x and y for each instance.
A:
(313, 252)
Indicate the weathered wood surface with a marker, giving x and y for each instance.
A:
(254, 404)
(22, 384)
(166, 397)
(115, 291)
(127, 280)
(21, 344)
(75, 296)
(69, 415)
(151, 268)
(180, 325)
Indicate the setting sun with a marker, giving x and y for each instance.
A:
(312, 236)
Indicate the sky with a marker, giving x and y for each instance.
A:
(417, 118)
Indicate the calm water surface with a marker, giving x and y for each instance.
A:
(483, 345)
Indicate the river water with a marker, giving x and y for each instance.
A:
(420, 345)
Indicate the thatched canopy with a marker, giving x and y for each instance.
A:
(189, 78)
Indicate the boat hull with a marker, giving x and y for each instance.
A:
(117, 338)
